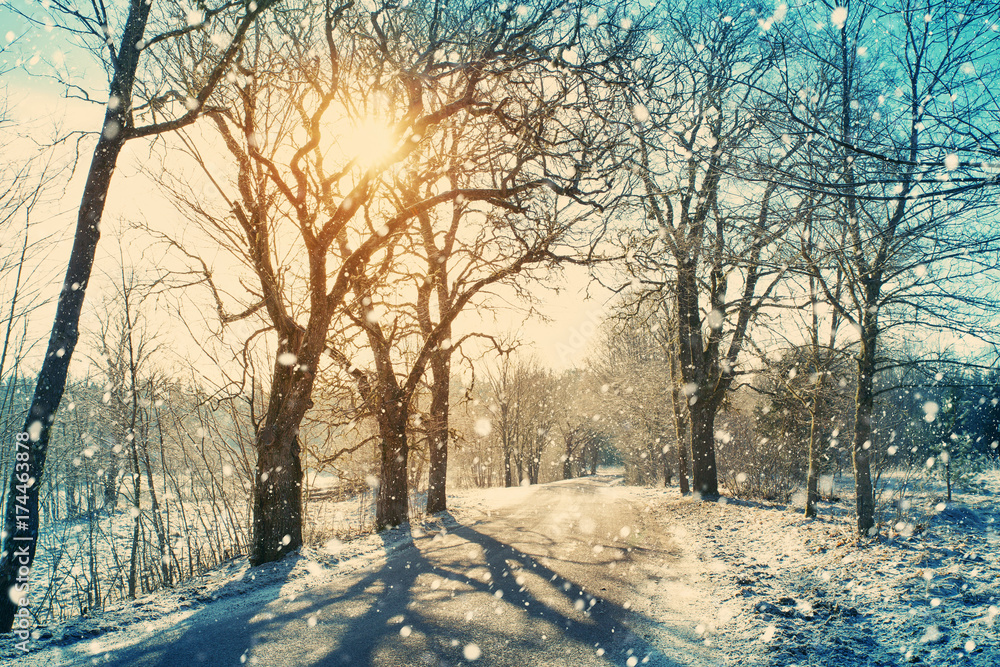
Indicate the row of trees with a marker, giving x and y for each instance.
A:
(791, 422)
(388, 167)
(537, 416)
(493, 121)
(836, 161)
(484, 177)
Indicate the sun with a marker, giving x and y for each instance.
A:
(367, 141)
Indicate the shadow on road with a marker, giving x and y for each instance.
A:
(448, 596)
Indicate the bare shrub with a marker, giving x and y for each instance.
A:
(753, 465)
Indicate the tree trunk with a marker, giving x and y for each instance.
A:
(703, 471)
(21, 527)
(277, 496)
(437, 431)
(665, 462)
(534, 465)
(508, 471)
(702, 404)
(682, 466)
(568, 458)
(947, 475)
(392, 501)
(812, 477)
(161, 536)
(680, 429)
(277, 490)
(863, 436)
(133, 569)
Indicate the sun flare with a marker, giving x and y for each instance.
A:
(367, 142)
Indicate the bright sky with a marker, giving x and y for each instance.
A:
(39, 110)
(572, 315)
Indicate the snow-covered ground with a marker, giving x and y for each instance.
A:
(755, 583)
(792, 591)
(82, 558)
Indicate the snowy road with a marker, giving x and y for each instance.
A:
(561, 575)
(579, 572)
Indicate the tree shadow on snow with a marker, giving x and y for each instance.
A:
(208, 636)
(479, 596)
(449, 596)
(757, 504)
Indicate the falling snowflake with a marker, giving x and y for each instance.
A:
(483, 427)
(838, 17)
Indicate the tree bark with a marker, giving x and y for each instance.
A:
(277, 491)
(812, 476)
(508, 469)
(534, 465)
(568, 457)
(392, 504)
(947, 476)
(277, 496)
(437, 431)
(680, 427)
(703, 470)
(663, 451)
(161, 533)
(133, 570)
(701, 404)
(863, 434)
(682, 463)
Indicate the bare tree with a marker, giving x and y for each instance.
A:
(133, 98)
(532, 244)
(343, 227)
(24, 188)
(522, 403)
(577, 414)
(696, 125)
(505, 402)
(904, 203)
(126, 345)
